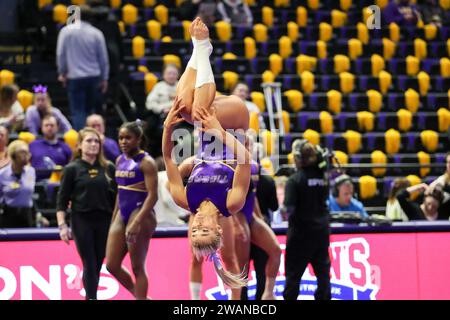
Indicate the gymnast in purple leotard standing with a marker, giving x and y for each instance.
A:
(134, 220)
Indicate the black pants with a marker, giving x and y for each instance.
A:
(305, 246)
(16, 217)
(259, 257)
(90, 232)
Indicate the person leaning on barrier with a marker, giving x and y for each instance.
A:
(443, 182)
(308, 235)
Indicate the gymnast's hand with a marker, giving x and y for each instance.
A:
(210, 123)
(132, 231)
(174, 115)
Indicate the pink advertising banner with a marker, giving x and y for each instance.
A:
(379, 266)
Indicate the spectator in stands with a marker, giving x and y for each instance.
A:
(83, 65)
(11, 112)
(401, 12)
(88, 185)
(432, 12)
(158, 103)
(341, 197)
(110, 146)
(4, 139)
(106, 22)
(241, 90)
(443, 182)
(17, 181)
(49, 151)
(205, 9)
(393, 209)
(428, 210)
(42, 107)
(235, 12)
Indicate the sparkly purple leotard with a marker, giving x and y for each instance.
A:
(128, 176)
(212, 178)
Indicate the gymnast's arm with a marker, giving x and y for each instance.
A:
(175, 181)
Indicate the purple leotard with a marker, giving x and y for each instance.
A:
(128, 176)
(212, 178)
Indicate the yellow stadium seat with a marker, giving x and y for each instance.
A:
(292, 30)
(186, 25)
(267, 140)
(250, 2)
(312, 136)
(6, 77)
(430, 31)
(290, 158)
(313, 4)
(392, 140)
(367, 187)
(381, 3)
(223, 30)
(129, 14)
(285, 46)
(443, 119)
(341, 156)
(26, 136)
(353, 139)
(166, 39)
(162, 14)
(326, 122)
(424, 158)
(148, 3)
(404, 118)
(385, 81)
(172, 59)
(424, 82)
(345, 4)
(259, 100)
(347, 82)
(325, 31)
(268, 77)
(445, 67)
(71, 138)
(56, 175)
(43, 3)
(254, 121)
(430, 140)
(378, 157)
(445, 4)
(375, 100)
(286, 121)
(334, 101)
(414, 180)
(121, 26)
(154, 29)
(230, 79)
(78, 2)
(389, 48)
(412, 65)
(267, 164)
(229, 56)
(305, 63)
(365, 120)
(307, 81)
(250, 47)
(150, 80)
(267, 16)
(295, 99)
(25, 98)
(302, 17)
(60, 13)
(366, 13)
(394, 32)
(115, 4)
(281, 3)
(322, 49)
(143, 69)
(412, 100)
(420, 49)
(260, 32)
(363, 33)
(341, 63)
(448, 47)
(378, 64)
(355, 48)
(338, 18)
(138, 47)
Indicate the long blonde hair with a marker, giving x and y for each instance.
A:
(100, 157)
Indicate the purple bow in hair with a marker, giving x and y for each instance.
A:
(40, 89)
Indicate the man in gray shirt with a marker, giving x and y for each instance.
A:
(83, 67)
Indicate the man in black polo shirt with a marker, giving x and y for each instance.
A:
(308, 235)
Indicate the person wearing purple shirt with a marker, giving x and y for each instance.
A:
(42, 106)
(401, 12)
(49, 151)
(17, 181)
(110, 146)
